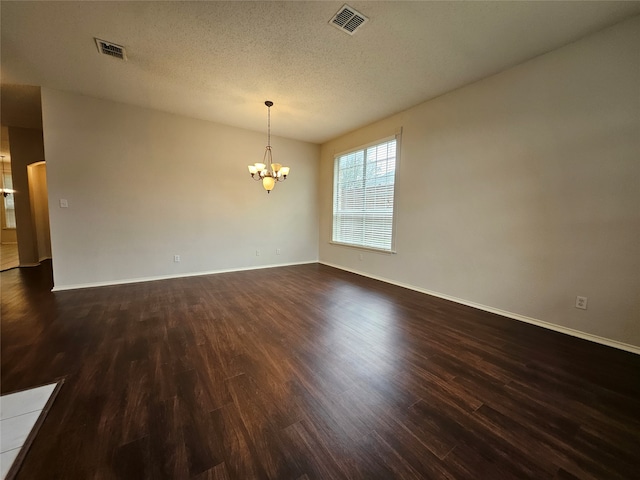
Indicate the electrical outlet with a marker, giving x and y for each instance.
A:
(176, 258)
(361, 257)
(581, 302)
(278, 251)
(64, 203)
(257, 253)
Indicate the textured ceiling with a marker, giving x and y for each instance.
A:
(219, 61)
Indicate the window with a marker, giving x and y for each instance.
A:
(363, 190)
(9, 216)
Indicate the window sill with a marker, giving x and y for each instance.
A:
(359, 247)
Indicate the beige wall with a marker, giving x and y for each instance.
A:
(143, 186)
(9, 235)
(521, 191)
(26, 147)
(37, 173)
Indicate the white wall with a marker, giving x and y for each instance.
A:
(143, 185)
(521, 191)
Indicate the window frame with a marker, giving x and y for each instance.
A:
(7, 175)
(363, 148)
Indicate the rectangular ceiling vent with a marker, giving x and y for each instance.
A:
(348, 20)
(111, 49)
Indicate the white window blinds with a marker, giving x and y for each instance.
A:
(363, 191)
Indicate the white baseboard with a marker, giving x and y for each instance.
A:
(516, 316)
(168, 277)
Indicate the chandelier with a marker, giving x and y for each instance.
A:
(267, 171)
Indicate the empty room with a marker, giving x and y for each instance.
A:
(317, 240)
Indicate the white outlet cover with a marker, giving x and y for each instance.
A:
(581, 302)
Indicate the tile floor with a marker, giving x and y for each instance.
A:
(18, 414)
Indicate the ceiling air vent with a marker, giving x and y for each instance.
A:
(348, 20)
(111, 49)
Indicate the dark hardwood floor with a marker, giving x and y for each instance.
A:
(308, 372)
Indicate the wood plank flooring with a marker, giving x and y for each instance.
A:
(308, 372)
(9, 256)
